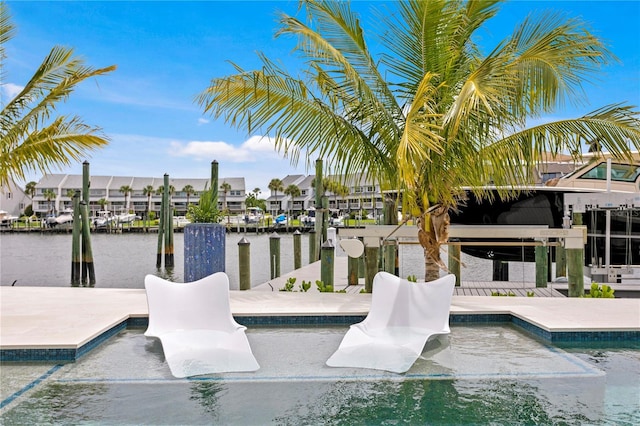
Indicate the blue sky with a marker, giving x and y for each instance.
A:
(167, 52)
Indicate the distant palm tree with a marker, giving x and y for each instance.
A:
(126, 190)
(148, 191)
(49, 195)
(293, 191)
(256, 191)
(339, 190)
(30, 189)
(160, 190)
(189, 190)
(225, 187)
(71, 193)
(32, 137)
(276, 185)
(102, 202)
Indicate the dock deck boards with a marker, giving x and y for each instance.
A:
(487, 289)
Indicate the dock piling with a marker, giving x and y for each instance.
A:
(274, 254)
(244, 267)
(327, 264)
(297, 249)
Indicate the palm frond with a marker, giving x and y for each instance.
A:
(616, 128)
(31, 138)
(7, 31)
(60, 143)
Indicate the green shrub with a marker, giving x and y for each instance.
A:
(600, 292)
(206, 211)
(497, 293)
(324, 288)
(305, 286)
(288, 286)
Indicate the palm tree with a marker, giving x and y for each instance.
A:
(49, 195)
(189, 190)
(126, 190)
(32, 137)
(225, 187)
(102, 202)
(293, 191)
(432, 113)
(160, 190)
(326, 183)
(275, 185)
(70, 194)
(148, 191)
(30, 189)
(339, 190)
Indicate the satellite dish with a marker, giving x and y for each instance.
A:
(352, 246)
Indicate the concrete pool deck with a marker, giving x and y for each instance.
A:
(49, 318)
(38, 321)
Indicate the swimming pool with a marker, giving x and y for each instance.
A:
(478, 374)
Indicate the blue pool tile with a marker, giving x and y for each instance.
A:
(631, 338)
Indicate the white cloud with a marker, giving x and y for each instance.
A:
(10, 90)
(202, 121)
(256, 148)
(259, 144)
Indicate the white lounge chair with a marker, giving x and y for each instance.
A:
(402, 317)
(194, 324)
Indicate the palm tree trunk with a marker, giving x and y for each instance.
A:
(433, 232)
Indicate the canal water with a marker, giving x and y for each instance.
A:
(123, 260)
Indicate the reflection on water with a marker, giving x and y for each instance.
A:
(122, 260)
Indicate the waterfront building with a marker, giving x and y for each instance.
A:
(54, 194)
(363, 196)
(13, 199)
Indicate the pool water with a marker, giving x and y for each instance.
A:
(478, 375)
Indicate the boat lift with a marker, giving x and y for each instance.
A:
(573, 239)
(602, 270)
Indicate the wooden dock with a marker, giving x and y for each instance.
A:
(495, 288)
(468, 288)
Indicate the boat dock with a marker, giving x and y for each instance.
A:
(466, 288)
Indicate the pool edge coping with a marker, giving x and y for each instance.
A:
(70, 353)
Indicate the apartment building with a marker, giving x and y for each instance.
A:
(361, 195)
(54, 193)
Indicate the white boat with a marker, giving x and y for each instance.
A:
(180, 221)
(309, 219)
(6, 219)
(125, 218)
(103, 219)
(335, 219)
(253, 215)
(65, 216)
(609, 191)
